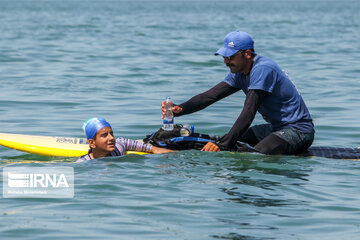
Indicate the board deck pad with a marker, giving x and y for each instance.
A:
(333, 152)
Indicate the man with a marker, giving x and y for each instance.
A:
(102, 142)
(268, 90)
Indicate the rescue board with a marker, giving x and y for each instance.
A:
(48, 146)
(76, 147)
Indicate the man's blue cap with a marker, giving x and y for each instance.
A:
(93, 125)
(234, 42)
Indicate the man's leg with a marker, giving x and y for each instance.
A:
(286, 141)
(272, 144)
(255, 134)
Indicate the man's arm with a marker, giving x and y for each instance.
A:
(251, 105)
(203, 100)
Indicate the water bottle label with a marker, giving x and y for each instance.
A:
(168, 121)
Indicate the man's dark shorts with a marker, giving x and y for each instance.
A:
(298, 142)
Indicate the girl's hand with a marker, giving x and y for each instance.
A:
(160, 150)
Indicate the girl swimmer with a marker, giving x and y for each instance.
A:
(102, 142)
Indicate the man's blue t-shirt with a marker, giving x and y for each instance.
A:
(284, 106)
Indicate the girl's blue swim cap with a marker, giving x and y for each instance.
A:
(93, 125)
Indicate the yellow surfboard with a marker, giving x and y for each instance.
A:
(48, 146)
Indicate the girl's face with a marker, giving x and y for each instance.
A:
(104, 140)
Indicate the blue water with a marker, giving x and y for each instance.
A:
(62, 62)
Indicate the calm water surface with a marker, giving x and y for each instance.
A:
(62, 62)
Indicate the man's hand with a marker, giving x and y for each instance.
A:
(175, 109)
(211, 147)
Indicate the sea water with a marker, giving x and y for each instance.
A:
(62, 62)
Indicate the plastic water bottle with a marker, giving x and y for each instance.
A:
(168, 122)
